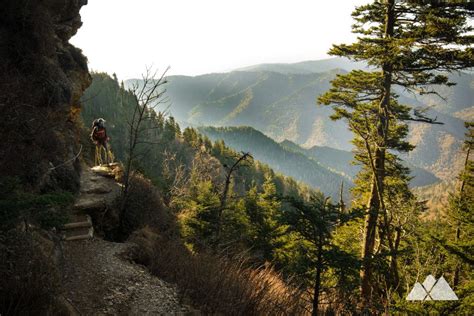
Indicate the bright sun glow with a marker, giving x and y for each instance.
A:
(195, 37)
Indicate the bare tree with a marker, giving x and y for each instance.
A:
(174, 173)
(225, 192)
(149, 94)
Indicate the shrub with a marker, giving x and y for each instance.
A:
(45, 210)
(143, 206)
(29, 280)
(217, 285)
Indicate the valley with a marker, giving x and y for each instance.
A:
(257, 107)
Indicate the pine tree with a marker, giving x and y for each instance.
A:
(315, 221)
(200, 215)
(171, 129)
(409, 44)
(262, 209)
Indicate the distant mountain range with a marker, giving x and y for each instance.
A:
(285, 160)
(308, 67)
(320, 167)
(341, 161)
(280, 101)
(283, 106)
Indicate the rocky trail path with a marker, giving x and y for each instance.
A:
(99, 281)
(97, 277)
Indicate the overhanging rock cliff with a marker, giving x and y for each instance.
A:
(42, 77)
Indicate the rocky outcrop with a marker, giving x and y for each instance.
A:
(42, 77)
(99, 190)
(98, 278)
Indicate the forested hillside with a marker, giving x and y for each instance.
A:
(107, 99)
(281, 106)
(342, 161)
(438, 147)
(290, 162)
(280, 101)
(320, 167)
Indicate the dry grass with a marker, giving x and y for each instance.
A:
(217, 285)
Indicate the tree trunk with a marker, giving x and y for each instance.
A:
(223, 204)
(376, 195)
(394, 259)
(369, 240)
(225, 192)
(457, 269)
(317, 283)
(133, 138)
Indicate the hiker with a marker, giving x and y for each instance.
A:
(100, 138)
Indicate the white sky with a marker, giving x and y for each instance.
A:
(196, 37)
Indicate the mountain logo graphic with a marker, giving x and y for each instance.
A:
(432, 290)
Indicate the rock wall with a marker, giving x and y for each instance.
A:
(42, 77)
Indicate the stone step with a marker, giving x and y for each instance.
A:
(79, 227)
(78, 233)
(69, 226)
(96, 188)
(90, 203)
(78, 237)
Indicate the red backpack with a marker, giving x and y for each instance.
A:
(100, 134)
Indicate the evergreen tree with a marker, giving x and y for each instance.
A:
(191, 137)
(409, 44)
(262, 209)
(201, 215)
(171, 129)
(314, 223)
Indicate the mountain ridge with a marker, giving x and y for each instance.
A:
(308, 66)
(282, 105)
(288, 162)
(343, 162)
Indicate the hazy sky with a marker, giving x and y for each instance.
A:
(203, 36)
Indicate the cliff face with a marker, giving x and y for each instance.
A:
(42, 77)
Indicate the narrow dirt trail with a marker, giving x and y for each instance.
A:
(98, 280)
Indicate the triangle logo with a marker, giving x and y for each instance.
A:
(418, 293)
(429, 282)
(441, 291)
(432, 290)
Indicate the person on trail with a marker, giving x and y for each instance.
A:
(100, 138)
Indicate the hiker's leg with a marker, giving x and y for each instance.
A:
(106, 153)
(97, 153)
(100, 155)
(110, 153)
